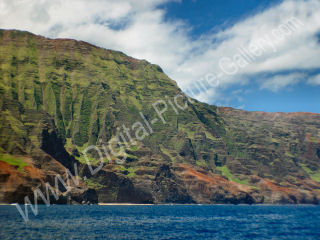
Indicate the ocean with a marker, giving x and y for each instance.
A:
(163, 222)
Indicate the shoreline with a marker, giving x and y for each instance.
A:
(125, 204)
(169, 204)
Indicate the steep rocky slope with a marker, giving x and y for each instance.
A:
(59, 97)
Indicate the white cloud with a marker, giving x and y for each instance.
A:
(139, 29)
(279, 82)
(314, 80)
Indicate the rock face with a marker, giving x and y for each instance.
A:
(58, 97)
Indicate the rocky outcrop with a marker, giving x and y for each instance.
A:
(168, 188)
(17, 184)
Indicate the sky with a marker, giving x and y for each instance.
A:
(248, 54)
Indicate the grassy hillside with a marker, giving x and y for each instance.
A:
(57, 97)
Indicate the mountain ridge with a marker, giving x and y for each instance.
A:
(58, 97)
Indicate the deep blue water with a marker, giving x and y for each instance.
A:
(163, 222)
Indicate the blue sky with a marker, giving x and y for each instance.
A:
(249, 54)
(210, 16)
(207, 15)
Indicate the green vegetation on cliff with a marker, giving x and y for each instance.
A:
(65, 95)
(15, 161)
